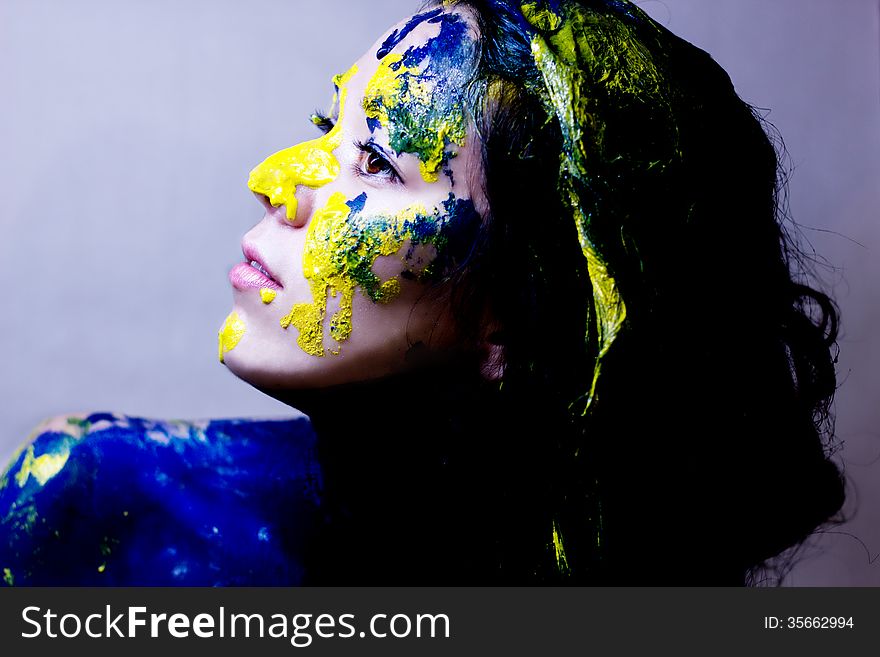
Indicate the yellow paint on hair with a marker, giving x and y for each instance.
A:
(542, 17)
(559, 549)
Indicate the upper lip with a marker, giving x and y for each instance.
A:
(251, 252)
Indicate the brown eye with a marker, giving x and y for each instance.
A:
(373, 164)
(376, 164)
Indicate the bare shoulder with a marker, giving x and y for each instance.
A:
(47, 449)
(110, 499)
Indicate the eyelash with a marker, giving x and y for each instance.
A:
(325, 124)
(370, 150)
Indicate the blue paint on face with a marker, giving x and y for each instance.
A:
(373, 124)
(444, 64)
(449, 228)
(399, 35)
(450, 48)
(357, 204)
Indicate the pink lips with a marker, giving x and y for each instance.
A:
(245, 275)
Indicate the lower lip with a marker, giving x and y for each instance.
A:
(245, 277)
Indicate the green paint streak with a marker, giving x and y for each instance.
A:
(404, 101)
(8, 577)
(79, 423)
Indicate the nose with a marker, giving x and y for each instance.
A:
(303, 201)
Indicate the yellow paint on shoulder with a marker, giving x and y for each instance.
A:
(267, 295)
(73, 425)
(310, 163)
(43, 467)
(230, 335)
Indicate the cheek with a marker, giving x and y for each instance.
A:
(348, 249)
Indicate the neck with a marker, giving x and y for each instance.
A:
(404, 456)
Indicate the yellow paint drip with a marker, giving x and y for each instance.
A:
(43, 467)
(332, 246)
(267, 295)
(230, 335)
(310, 163)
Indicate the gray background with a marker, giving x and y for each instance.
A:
(127, 130)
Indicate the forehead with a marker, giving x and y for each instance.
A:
(410, 85)
(441, 31)
(439, 43)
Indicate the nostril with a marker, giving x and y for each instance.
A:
(264, 200)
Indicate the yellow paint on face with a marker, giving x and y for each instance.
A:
(335, 254)
(230, 335)
(43, 467)
(267, 295)
(323, 277)
(310, 163)
(385, 93)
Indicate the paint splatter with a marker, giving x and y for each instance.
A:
(310, 163)
(42, 468)
(230, 335)
(399, 35)
(343, 243)
(417, 96)
(267, 295)
(104, 519)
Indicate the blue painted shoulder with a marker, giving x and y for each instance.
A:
(115, 500)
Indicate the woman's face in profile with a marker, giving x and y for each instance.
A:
(359, 221)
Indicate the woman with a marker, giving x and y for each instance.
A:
(531, 288)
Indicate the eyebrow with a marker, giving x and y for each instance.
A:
(374, 144)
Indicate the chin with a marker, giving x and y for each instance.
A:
(273, 373)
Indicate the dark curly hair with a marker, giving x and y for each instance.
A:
(668, 366)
